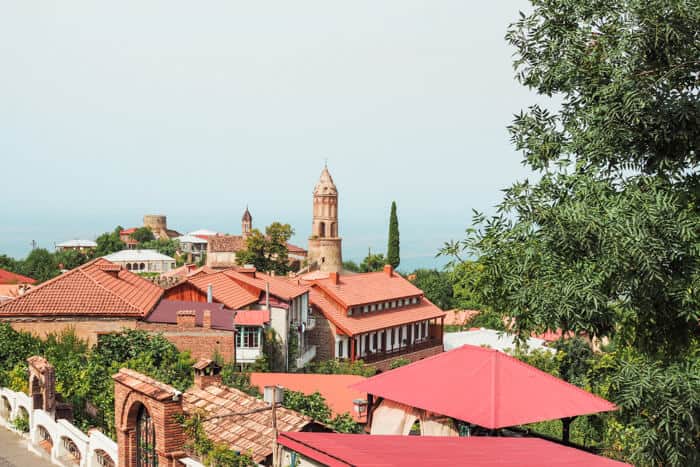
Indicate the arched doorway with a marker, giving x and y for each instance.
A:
(145, 439)
(5, 408)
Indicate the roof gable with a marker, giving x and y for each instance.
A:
(370, 287)
(88, 290)
(484, 387)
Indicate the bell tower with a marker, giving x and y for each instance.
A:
(246, 223)
(325, 246)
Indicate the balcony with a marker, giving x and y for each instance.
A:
(247, 354)
(384, 355)
(306, 357)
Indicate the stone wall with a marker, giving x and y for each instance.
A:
(323, 337)
(85, 328)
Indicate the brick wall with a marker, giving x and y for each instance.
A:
(85, 328)
(200, 342)
(323, 337)
(383, 365)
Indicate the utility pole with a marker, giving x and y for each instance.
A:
(275, 448)
(33, 244)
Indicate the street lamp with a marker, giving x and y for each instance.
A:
(360, 406)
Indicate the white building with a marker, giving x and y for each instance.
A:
(190, 244)
(80, 245)
(139, 261)
(491, 338)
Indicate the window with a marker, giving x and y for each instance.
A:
(248, 337)
(407, 301)
(390, 338)
(372, 307)
(380, 306)
(425, 329)
(340, 349)
(415, 300)
(374, 341)
(365, 309)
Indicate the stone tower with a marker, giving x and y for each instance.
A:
(325, 246)
(246, 223)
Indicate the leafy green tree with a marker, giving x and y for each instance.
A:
(9, 264)
(351, 266)
(393, 256)
(466, 286)
(268, 252)
(341, 367)
(164, 246)
(143, 235)
(70, 259)
(40, 265)
(437, 286)
(109, 242)
(315, 406)
(605, 242)
(373, 262)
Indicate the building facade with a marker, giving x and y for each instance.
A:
(325, 245)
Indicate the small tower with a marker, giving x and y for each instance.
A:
(325, 246)
(246, 223)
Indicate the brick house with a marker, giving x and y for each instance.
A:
(248, 289)
(376, 317)
(147, 428)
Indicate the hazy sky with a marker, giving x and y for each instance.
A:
(112, 110)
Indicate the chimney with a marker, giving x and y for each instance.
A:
(111, 269)
(388, 270)
(186, 319)
(206, 319)
(206, 373)
(210, 293)
(333, 276)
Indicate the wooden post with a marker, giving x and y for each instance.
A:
(352, 348)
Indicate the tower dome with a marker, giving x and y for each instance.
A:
(325, 185)
(246, 223)
(247, 216)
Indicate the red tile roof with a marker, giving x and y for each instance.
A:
(225, 290)
(296, 249)
(145, 384)
(7, 277)
(88, 290)
(375, 320)
(334, 388)
(279, 286)
(484, 387)
(341, 450)
(128, 231)
(370, 287)
(250, 434)
(226, 243)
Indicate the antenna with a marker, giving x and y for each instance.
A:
(33, 243)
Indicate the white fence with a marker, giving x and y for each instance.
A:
(57, 441)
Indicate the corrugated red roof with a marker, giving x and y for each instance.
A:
(375, 320)
(370, 287)
(341, 450)
(8, 277)
(484, 387)
(88, 290)
(334, 388)
(279, 286)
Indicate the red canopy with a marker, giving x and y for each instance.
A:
(484, 387)
(338, 450)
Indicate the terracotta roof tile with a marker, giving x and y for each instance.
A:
(250, 433)
(279, 286)
(359, 289)
(231, 293)
(146, 385)
(8, 277)
(88, 290)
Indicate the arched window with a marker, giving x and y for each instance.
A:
(44, 439)
(70, 452)
(142, 266)
(37, 396)
(5, 408)
(103, 459)
(145, 439)
(128, 266)
(322, 229)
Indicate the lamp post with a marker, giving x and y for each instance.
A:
(274, 395)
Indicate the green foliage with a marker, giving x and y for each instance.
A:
(273, 353)
(393, 256)
(341, 367)
(436, 285)
(109, 242)
(164, 246)
(40, 265)
(466, 285)
(15, 348)
(17, 379)
(143, 235)
(351, 266)
(8, 263)
(230, 376)
(292, 348)
(399, 362)
(69, 259)
(486, 318)
(21, 423)
(315, 406)
(373, 262)
(268, 252)
(211, 453)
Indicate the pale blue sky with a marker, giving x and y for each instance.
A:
(111, 110)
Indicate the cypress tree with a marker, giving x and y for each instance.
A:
(392, 252)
